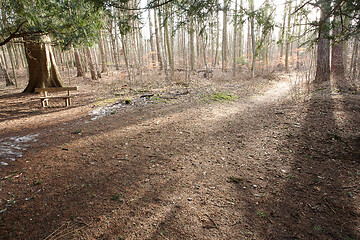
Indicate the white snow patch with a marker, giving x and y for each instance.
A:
(12, 148)
(113, 108)
(105, 111)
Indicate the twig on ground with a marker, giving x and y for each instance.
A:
(212, 221)
(54, 231)
(329, 206)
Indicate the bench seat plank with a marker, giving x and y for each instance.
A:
(48, 97)
(55, 89)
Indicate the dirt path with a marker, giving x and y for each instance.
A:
(261, 167)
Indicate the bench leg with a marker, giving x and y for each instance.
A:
(44, 102)
(67, 102)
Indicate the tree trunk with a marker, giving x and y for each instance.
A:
(267, 37)
(4, 55)
(323, 65)
(21, 54)
(353, 67)
(8, 81)
(102, 54)
(43, 71)
(113, 45)
(84, 61)
(125, 51)
(192, 45)
(157, 38)
(224, 36)
(161, 42)
(204, 44)
(253, 44)
(152, 47)
(337, 66)
(79, 68)
(12, 62)
(323, 51)
(217, 39)
(282, 37)
(15, 54)
(346, 48)
(91, 65)
(234, 40)
(241, 34)
(96, 60)
(248, 41)
(298, 46)
(287, 45)
(140, 50)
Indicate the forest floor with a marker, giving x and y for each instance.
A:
(210, 159)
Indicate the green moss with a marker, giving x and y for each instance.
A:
(158, 99)
(220, 97)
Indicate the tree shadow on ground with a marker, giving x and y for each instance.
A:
(52, 192)
(115, 178)
(315, 197)
(22, 105)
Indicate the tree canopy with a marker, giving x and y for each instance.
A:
(67, 21)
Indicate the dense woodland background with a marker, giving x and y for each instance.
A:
(178, 38)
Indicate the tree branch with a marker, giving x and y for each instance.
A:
(149, 6)
(12, 35)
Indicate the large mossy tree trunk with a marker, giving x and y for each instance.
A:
(43, 71)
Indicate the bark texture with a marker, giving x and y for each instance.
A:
(224, 37)
(8, 80)
(91, 65)
(79, 68)
(323, 59)
(102, 54)
(43, 71)
(157, 38)
(337, 66)
(323, 51)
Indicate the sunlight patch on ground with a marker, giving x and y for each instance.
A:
(12, 148)
(278, 91)
(206, 116)
(338, 110)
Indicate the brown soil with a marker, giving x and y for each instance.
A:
(273, 163)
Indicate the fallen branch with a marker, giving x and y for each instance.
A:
(212, 221)
(147, 95)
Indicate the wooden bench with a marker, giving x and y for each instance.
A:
(44, 98)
